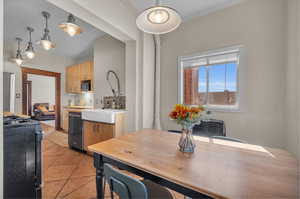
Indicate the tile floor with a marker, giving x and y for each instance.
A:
(68, 174)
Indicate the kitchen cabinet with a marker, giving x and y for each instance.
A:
(68, 79)
(94, 132)
(66, 120)
(97, 131)
(72, 79)
(77, 73)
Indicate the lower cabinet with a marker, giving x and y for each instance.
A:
(66, 120)
(95, 132)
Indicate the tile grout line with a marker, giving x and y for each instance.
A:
(68, 179)
(78, 188)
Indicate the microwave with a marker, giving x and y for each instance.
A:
(86, 85)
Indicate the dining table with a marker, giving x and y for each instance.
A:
(217, 169)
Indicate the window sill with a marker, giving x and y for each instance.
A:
(226, 109)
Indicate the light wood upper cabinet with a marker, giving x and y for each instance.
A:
(68, 79)
(76, 82)
(76, 73)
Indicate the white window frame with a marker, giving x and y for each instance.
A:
(222, 108)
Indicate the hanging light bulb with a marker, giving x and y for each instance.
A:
(19, 59)
(158, 19)
(158, 16)
(70, 26)
(46, 42)
(29, 52)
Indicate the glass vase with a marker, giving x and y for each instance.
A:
(186, 142)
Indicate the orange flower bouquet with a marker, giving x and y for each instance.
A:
(187, 117)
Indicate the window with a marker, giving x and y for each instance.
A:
(210, 79)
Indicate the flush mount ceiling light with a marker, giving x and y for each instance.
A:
(46, 42)
(29, 52)
(70, 26)
(19, 59)
(158, 19)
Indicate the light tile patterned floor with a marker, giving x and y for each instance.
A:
(68, 174)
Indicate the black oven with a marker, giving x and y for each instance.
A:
(22, 172)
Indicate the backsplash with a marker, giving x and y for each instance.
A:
(84, 99)
(111, 102)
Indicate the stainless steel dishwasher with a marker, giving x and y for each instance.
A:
(75, 135)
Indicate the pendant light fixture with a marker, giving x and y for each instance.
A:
(29, 52)
(158, 19)
(19, 59)
(46, 42)
(70, 26)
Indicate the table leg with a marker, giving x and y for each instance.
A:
(98, 163)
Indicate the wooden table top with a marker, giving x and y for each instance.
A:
(218, 168)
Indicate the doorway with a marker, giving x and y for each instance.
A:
(27, 92)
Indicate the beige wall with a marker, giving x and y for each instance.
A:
(260, 27)
(1, 98)
(109, 54)
(298, 63)
(43, 89)
(148, 81)
(292, 73)
(130, 91)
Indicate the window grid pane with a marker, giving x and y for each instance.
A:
(211, 85)
(222, 84)
(211, 80)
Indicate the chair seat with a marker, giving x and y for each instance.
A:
(156, 191)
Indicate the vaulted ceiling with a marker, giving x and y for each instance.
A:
(187, 8)
(18, 14)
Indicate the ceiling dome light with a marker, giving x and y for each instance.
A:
(46, 42)
(29, 52)
(19, 59)
(70, 26)
(158, 16)
(158, 20)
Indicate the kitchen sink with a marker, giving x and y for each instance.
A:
(101, 115)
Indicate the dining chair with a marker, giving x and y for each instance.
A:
(228, 139)
(127, 187)
(208, 128)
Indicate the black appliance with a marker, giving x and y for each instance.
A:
(86, 85)
(22, 158)
(209, 128)
(75, 131)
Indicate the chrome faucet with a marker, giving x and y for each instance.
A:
(118, 93)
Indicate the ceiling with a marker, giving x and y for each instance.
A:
(187, 8)
(20, 14)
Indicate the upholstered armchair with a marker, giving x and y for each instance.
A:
(41, 112)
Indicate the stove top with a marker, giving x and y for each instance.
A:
(15, 120)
